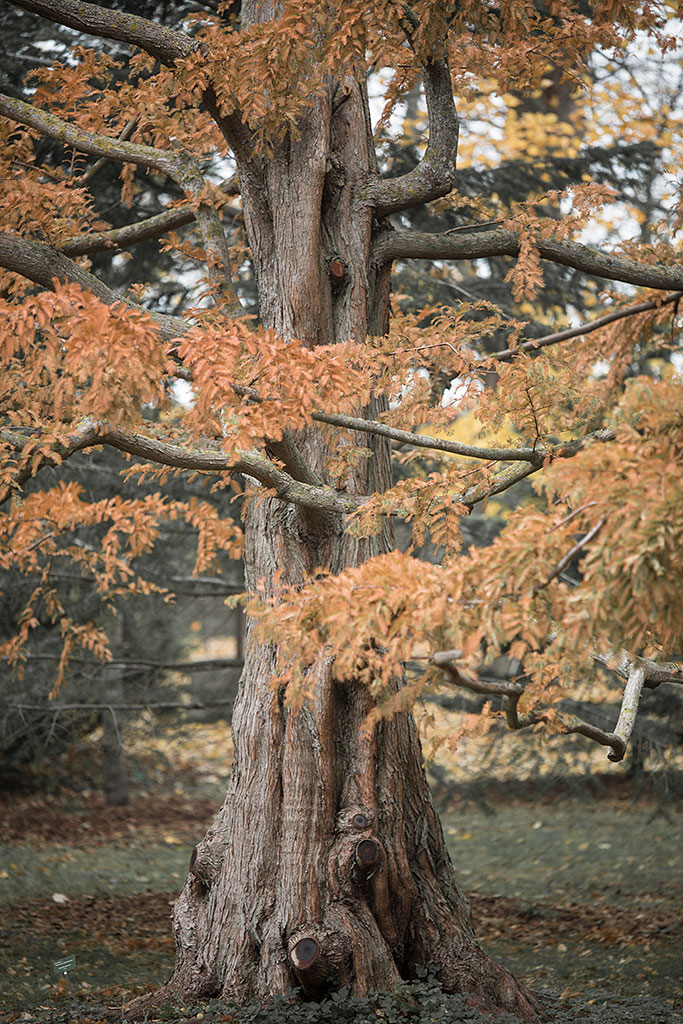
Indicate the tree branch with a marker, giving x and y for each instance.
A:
(87, 142)
(205, 665)
(162, 706)
(166, 44)
(425, 441)
(566, 559)
(655, 673)
(392, 245)
(142, 231)
(433, 177)
(638, 673)
(594, 325)
(177, 164)
(628, 713)
(89, 174)
(207, 460)
(41, 263)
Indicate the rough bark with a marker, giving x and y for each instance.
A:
(326, 866)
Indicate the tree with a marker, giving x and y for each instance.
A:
(326, 866)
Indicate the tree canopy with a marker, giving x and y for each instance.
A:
(83, 363)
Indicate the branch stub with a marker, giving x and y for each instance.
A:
(367, 852)
(305, 954)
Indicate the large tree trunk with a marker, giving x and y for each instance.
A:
(326, 866)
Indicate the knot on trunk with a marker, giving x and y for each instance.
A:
(352, 820)
(207, 858)
(338, 271)
(320, 957)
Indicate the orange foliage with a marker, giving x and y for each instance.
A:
(72, 360)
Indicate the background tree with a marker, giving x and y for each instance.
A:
(326, 865)
(149, 632)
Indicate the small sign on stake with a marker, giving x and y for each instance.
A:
(63, 966)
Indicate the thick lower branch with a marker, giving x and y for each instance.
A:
(393, 245)
(87, 142)
(208, 460)
(42, 264)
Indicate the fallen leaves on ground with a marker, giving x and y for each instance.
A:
(125, 923)
(503, 917)
(86, 820)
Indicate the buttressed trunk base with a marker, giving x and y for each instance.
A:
(326, 867)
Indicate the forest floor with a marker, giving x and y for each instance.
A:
(579, 895)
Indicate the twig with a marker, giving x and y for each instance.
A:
(445, 659)
(88, 175)
(164, 706)
(572, 515)
(576, 332)
(564, 562)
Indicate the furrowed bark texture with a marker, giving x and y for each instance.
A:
(326, 866)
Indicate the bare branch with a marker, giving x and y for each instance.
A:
(392, 245)
(628, 713)
(165, 44)
(434, 175)
(40, 263)
(623, 664)
(445, 660)
(89, 174)
(53, 708)
(638, 672)
(425, 441)
(207, 460)
(87, 142)
(142, 231)
(566, 559)
(511, 693)
(205, 665)
(576, 332)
